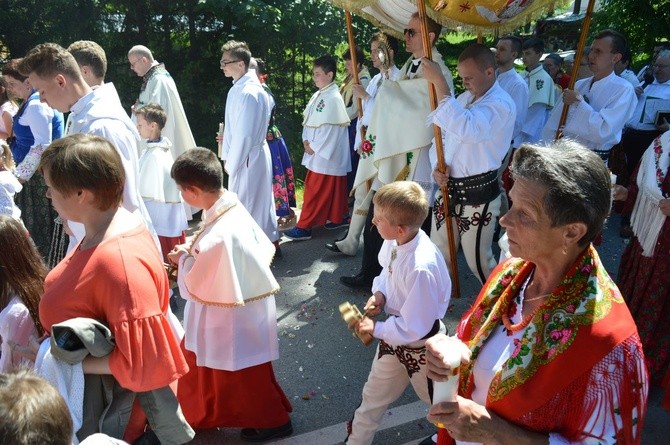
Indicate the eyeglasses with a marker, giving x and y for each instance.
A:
(228, 62)
(132, 64)
(410, 32)
(661, 66)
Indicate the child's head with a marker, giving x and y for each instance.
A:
(4, 93)
(6, 158)
(531, 52)
(324, 70)
(401, 203)
(199, 168)
(151, 119)
(22, 270)
(32, 411)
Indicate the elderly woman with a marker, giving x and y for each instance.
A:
(35, 126)
(645, 264)
(549, 351)
(115, 275)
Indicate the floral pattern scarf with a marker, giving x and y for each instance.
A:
(580, 323)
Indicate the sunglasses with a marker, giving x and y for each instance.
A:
(410, 32)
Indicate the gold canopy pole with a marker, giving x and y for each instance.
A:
(575, 67)
(441, 166)
(354, 65)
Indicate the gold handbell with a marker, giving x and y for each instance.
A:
(351, 313)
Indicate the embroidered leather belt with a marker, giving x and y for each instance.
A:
(472, 190)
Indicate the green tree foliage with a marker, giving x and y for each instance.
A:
(187, 36)
(644, 22)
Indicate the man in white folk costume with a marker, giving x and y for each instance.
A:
(245, 151)
(600, 105)
(477, 128)
(399, 139)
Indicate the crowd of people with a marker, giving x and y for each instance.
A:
(96, 208)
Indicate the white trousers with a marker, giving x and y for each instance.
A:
(473, 229)
(362, 199)
(387, 381)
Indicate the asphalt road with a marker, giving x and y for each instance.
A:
(322, 368)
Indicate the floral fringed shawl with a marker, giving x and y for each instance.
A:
(546, 385)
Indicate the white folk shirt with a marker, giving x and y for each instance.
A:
(161, 89)
(417, 287)
(517, 88)
(541, 99)
(597, 120)
(477, 134)
(100, 112)
(230, 316)
(325, 126)
(246, 154)
(642, 118)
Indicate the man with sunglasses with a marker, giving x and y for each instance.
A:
(159, 87)
(399, 139)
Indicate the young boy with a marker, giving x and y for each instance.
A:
(413, 289)
(230, 316)
(158, 190)
(326, 142)
(541, 91)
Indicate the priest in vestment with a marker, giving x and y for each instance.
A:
(159, 87)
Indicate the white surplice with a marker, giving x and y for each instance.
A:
(161, 89)
(159, 191)
(541, 99)
(230, 315)
(326, 127)
(245, 152)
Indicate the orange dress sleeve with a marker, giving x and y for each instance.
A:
(147, 354)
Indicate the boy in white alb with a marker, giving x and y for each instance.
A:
(230, 315)
(325, 139)
(413, 289)
(158, 190)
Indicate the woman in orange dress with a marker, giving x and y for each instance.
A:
(115, 275)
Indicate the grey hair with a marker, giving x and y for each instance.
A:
(577, 181)
(141, 51)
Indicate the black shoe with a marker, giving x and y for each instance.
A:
(356, 281)
(265, 434)
(333, 247)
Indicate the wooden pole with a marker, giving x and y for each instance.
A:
(354, 65)
(578, 59)
(441, 165)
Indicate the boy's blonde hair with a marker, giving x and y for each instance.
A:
(6, 158)
(404, 203)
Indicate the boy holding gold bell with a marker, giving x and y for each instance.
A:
(413, 289)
